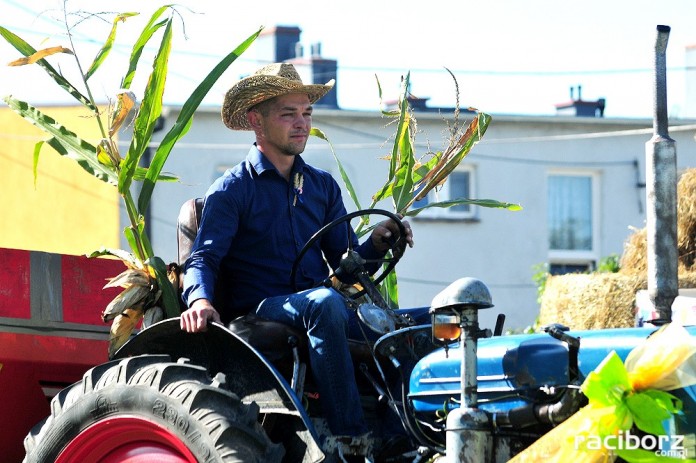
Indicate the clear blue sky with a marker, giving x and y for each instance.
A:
(509, 56)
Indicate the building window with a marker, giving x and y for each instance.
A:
(572, 220)
(563, 268)
(459, 184)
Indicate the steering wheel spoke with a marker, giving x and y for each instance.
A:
(384, 260)
(348, 230)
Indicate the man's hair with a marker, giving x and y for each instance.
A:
(264, 107)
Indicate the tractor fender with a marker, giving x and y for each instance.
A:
(219, 350)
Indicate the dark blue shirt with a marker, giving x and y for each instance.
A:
(253, 226)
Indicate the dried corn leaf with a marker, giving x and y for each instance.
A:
(40, 54)
(126, 102)
(128, 278)
(122, 328)
(133, 297)
(153, 315)
(174, 276)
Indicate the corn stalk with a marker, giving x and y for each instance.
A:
(410, 178)
(146, 280)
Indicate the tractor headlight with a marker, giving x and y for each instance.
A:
(446, 326)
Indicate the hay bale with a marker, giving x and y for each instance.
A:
(686, 218)
(596, 300)
(634, 260)
(590, 301)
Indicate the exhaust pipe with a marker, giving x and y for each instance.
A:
(661, 192)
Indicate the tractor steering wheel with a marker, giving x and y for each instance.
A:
(352, 264)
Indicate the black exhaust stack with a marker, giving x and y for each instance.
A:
(661, 183)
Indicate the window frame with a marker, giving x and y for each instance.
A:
(577, 257)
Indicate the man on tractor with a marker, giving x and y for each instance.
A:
(257, 216)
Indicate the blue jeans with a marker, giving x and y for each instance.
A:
(323, 314)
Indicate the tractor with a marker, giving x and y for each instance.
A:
(435, 386)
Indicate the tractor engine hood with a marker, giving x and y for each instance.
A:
(519, 370)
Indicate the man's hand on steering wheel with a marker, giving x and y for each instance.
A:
(384, 231)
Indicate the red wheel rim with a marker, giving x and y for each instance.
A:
(126, 439)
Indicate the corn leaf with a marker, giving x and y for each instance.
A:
(418, 172)
(344, 176)
(492, 203)
(84, 154)
(66, 142)
(149, 112)
(379, 92)
(141, 173)
(125, 103)
(125, 256)
(129, 233)
(121, 329)
(35, 166)
(185, 119)
(404, 122)
(41, 54)
(103, 156)
(106, 48)
(454, 154)
(170, 300)
(389, 289)
(27, 50)
(403, 183)
(422, 170)
(144, 239)
(148, 31)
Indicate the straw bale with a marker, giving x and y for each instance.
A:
(634, 260)
(590, 301)
(634, 257)
(686, 218)
(596, 300)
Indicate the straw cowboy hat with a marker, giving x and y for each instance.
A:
(266, 83)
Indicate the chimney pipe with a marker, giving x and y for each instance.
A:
(298, 50)
(579, 92)
(661, 192)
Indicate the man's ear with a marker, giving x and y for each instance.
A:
(254, 119)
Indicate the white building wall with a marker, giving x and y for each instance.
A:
(511, 164)
(689, 79)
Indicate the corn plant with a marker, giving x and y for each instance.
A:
(146, 281)
(411, 178)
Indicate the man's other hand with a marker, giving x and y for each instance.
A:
(383, 232)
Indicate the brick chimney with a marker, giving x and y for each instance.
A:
(282, 44)
(581, 108)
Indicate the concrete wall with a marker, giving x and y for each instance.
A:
(511, 164)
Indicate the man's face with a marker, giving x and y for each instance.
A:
(286, 124)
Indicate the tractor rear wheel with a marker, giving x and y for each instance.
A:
(148, 408)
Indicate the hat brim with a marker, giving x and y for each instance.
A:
(251, 91)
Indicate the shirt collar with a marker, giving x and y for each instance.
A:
(260, 163)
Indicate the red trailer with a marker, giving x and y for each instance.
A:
(50, 333)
